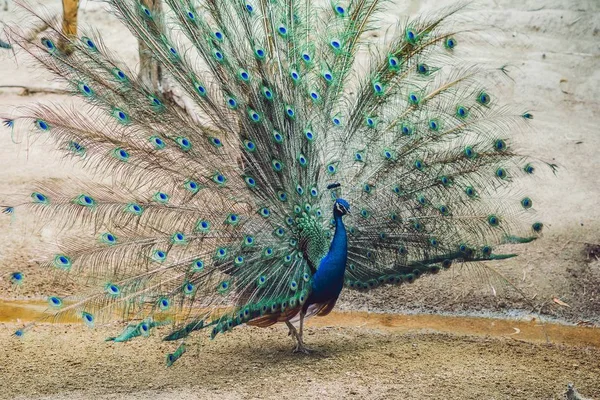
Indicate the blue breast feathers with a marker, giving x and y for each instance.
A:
(329, 278)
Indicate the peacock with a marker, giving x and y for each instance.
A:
(307, 160)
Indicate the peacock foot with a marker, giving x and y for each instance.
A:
(300, 348)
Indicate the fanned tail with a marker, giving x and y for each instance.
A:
(215, 215)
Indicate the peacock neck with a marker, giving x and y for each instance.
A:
(329, 278)
(339, 245)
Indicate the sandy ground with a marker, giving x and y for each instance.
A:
(69, 362)
(553, 50)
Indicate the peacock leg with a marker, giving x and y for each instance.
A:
(293, 332)
(301, 348)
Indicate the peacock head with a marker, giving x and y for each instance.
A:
(341, 207)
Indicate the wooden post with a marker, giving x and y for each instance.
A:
(150, 70)
(69, 24)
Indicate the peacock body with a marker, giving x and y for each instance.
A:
(235, 209)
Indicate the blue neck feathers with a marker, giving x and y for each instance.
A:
(329, 278)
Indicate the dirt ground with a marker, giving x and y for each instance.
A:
(72, 362)
(553, 50)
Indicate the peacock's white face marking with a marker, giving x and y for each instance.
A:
(341, 207)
